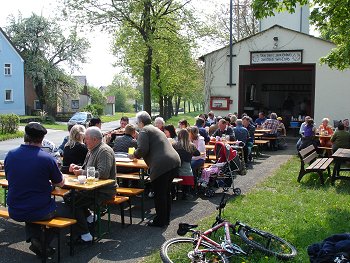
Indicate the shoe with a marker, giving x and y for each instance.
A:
(151, 194)
(155, 224)
(79, 241)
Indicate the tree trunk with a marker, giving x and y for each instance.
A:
(161, 97)
(147, 81)
(39, 90)
(189, 106)
(170, 107)
(184, 106)
(177, 105)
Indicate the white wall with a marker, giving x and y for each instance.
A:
(332, 87)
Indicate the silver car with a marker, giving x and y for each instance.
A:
(82, 118)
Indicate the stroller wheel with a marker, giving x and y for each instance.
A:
(237, 191)
(209, 193)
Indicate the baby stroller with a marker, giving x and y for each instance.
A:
(223, 172)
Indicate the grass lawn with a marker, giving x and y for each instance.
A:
(302, 213)
(190, 117)
(18, 134)
(117, 116)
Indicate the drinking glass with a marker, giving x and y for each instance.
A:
(90, 174)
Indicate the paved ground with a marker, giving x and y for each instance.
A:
(132, 243)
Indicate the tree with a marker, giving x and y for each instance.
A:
(138, 17)
(45, 48)
(96, 96)
(330, 17)
(244, 23)
(124, 92)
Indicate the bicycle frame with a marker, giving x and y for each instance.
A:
(226, 247)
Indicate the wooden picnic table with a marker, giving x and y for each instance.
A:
(258, 134)
(340, 156)
(262, 130)
(138, 163)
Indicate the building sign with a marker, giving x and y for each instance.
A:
(220, 103)
(276, 57)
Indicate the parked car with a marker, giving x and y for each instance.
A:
(82, 118)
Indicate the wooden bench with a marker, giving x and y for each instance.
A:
(309, 156)
(131, 192)
(119, 200)
(58, 223)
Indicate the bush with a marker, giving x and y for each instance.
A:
(9, 123)
(95, 109)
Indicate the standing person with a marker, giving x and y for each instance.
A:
(31, 175)
(163, 162)
(186, 150)
(75, 150)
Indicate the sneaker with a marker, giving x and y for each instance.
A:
(86, 237)
(90, 218)
(151, 194)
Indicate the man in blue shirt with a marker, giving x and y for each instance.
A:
(200, 122)
(31, 174)
(259, 121)
(242, 135)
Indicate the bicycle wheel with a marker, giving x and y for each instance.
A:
(267, 243)
(180, 250)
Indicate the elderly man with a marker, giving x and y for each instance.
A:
(242, 135)
(100, 156)
(31, 174)
(163, 162)
(224, 129)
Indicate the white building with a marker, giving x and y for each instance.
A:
(277, 70)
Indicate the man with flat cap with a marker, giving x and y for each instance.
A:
(31, 174)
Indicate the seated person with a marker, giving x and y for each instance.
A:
(272, 125)
(170, 133)
(260, 120)
(200, 123)
(95, 122)
(325, 129)
(100, 156)
(340, 138)
(49, 147)
(281, 130)
(159, 123)
(75, 150)
(224, 130)
(211, 118)
(110, 136)
(198, 141)
(65, 140)
(29, 193)
(242, 135)
(247, 123)
(301, 130)
(308, 137)
(126, 141)
(183, 124)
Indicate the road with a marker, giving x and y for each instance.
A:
(56, 136)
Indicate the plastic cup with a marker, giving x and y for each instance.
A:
(81, 179)
(131, 150)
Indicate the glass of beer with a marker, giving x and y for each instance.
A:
(90, 174)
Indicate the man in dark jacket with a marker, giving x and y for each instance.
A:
(163, 163)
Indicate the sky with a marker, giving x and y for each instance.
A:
(99, 70)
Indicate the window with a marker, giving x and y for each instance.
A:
(7, 69)
(75, 104)
(8, 95)
(37, 105)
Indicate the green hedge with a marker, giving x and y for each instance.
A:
(9, 123)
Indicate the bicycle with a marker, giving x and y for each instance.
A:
(201, 248)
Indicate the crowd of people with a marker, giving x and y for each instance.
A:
(168, 151)
(324, 136)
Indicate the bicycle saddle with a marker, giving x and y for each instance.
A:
(184, 228)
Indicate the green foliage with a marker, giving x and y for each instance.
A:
(8, 136)
(190, 117)
(96, 96)
(9, 123)
(95, 109)
(331, 18)
(44, 47)
(302, 213)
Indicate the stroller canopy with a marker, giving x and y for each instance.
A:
(224, 152)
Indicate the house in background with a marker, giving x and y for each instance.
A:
(75, 104)
(11, 77)
(110, 106)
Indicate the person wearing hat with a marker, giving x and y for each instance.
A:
(281, 130)
(31, 174)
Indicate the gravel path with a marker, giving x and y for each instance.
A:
(133, 243)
